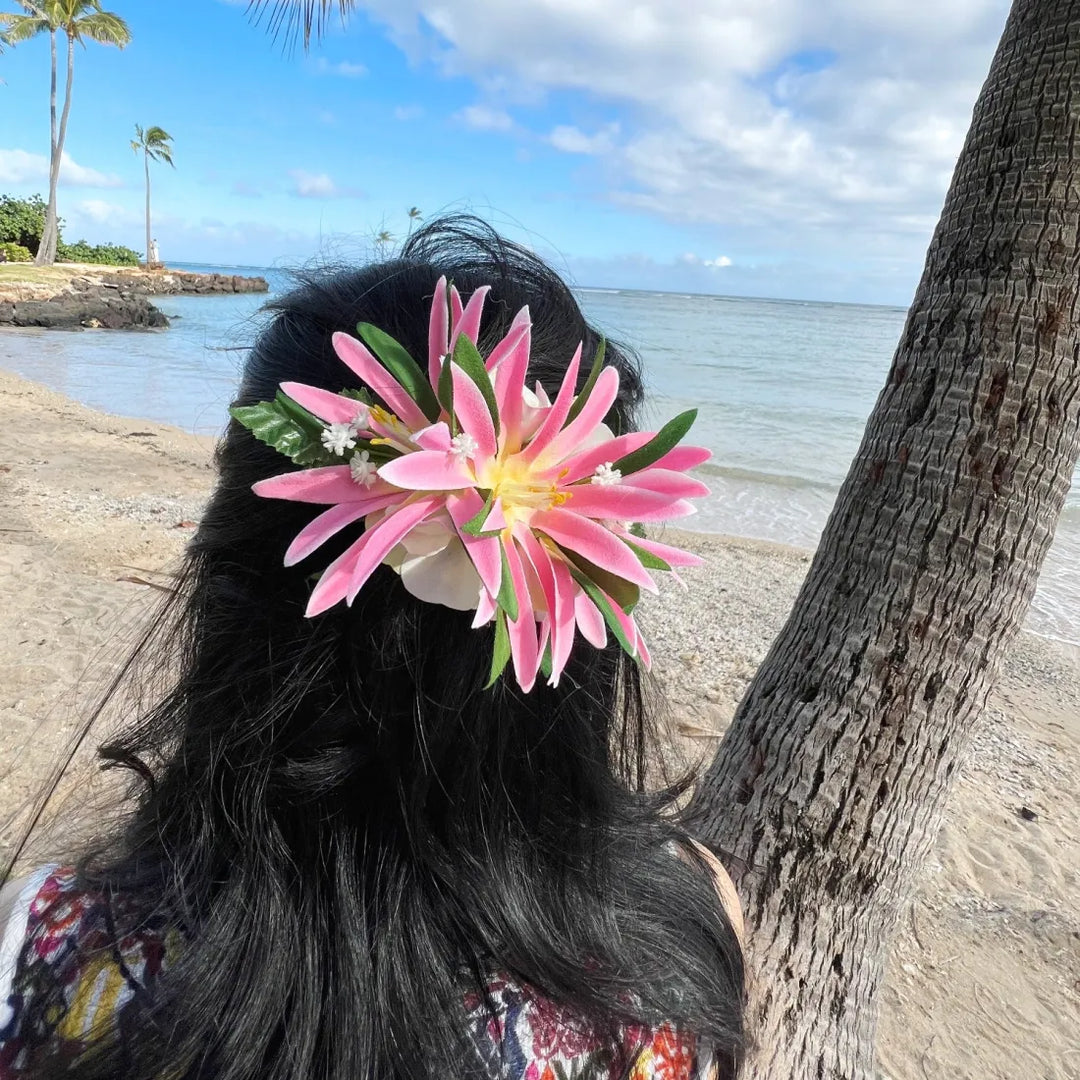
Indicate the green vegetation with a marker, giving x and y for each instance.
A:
(104, 254)
(22, 222)
(79, 21)
(15, 253)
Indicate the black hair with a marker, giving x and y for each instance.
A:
(347, 830)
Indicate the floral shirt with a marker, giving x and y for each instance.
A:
(87, 979)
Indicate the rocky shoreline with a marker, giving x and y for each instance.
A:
(108, 298)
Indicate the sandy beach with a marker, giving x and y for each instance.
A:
(984, 978)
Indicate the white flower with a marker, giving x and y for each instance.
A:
(337, 438)
(363, 416)
(463, 445)
(606, 476)
(363, 469)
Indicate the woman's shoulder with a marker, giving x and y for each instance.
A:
(522, 1034)
(66, 968)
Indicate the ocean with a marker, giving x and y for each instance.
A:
(783, 390)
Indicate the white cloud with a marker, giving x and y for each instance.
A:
(309, 185)
(572, 140)
(485, 118)
(344, 68)
(101, 212)
(22, 167)
(718, 263)
(801, 124)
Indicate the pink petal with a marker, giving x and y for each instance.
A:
(562, 623)
(512, 337)
(456, 308)
(438, 332)
(589, 620)
(386, 535)
(578, 466)
(333, 408)
(524, 649)
(334, 583)
(436, 437)
(428, 470)
(595, 543)
(330, 484)
(473, 413)
(620, 502)
(329, 523)
(540, 561)
(642, 648)
(557, 414)
(483, 550)
(355, 354)
(668, 482)
(469, 323)
(673, 556)
(603, 395)
(629, 627)
(485, 609)
(496, 519)
(509, 383)
(681, 458)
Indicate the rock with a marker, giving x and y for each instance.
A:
(73, 311)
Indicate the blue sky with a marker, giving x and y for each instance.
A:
(792, 148)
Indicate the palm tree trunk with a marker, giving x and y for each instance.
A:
(46, 253)
(50, 238)
(829, 785)
(146, 163)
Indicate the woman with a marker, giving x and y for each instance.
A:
(375, 834)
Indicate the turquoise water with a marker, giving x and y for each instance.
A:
(783, 388)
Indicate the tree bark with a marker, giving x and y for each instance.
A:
(146, 164)
(829, 786)
(46, 252)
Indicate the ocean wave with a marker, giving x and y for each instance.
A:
(771, 479)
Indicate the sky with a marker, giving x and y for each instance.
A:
(783, 148)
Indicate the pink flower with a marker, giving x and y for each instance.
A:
(485, 495)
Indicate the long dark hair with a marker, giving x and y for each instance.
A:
(347, 830)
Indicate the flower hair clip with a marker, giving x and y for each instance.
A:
(481, 493)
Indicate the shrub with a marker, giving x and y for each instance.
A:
(103, 254)
(22, 221)
(15, 252)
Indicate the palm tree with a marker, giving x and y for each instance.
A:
(414, 216)
(303, 18)
(79, 21)
(155, 144)
(383, 239)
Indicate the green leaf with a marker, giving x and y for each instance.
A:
(446, 393)
(669, 436)
(472, 363)
(598, 598)
(476, 523)
(507, 598)
(285, 428)
(647, 558)
(396, 359)
(625, 593)
(359, 394)
(638, 530)
(545, 661)
(590, 382)
(500, 655)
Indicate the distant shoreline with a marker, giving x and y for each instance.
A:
(74, 296)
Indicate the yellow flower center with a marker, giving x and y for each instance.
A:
(522, 493)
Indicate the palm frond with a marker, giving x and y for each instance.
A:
(18, 28)
(104, 27)
(292, 19)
